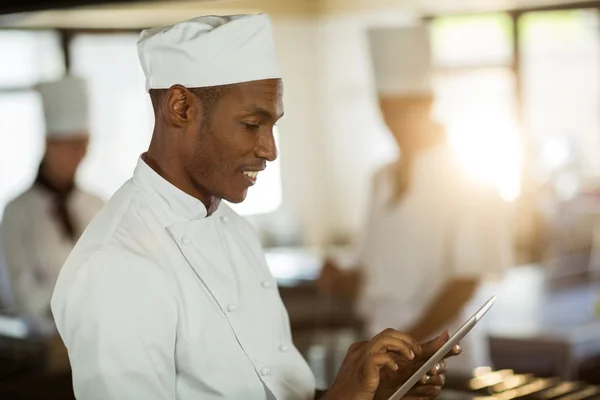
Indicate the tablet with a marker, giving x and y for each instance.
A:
(445, 349)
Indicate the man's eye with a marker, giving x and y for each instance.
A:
(251, 126)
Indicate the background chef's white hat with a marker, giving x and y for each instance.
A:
(401, 60)
(66, 108)
(209, 51)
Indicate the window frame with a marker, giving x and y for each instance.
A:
(515, 64)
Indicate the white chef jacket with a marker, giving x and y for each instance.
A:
(445, 227)
(35, 248)
(160, 301)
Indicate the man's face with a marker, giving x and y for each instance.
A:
(63, 156)
(225, 154)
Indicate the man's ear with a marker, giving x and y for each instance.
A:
(181, 105)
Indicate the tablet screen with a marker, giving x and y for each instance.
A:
(445, 349)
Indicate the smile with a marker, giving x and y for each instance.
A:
(251, 174)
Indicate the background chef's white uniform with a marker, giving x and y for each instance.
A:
(36, 248)
(159, 301)
(443, 228)
(34, 244)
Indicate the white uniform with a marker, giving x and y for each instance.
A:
(35, 248)
(159, 301)
(443, 228)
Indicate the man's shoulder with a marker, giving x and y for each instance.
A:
(117, 228)
(112, 260)
(110, 281)
(117, 247)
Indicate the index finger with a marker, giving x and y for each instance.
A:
(384, 344)
(412, 343)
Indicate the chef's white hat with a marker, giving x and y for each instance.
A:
(401, 60)
(65, 105)
(209, 51)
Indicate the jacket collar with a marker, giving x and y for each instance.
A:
(176, 205)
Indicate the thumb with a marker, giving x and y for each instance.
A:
(372, 367)
(443, 337)
(433, 345)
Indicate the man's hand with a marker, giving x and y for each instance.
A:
(430, 385)
(366, 362)
(375, 369)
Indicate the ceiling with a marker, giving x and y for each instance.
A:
(12, 6)
(143, 14)
(115, 14)
(445, 6)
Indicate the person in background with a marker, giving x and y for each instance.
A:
(41, 226)
(168, 294)
(432, 235)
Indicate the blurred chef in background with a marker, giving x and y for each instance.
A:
(41, 226)
(432, 235)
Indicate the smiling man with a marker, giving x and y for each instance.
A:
(167, 295)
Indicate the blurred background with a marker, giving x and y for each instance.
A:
(515, 89)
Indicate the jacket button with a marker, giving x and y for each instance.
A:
(284, 348)
(186, 241)
(266, 284)
(264, 371)
(231, 307)
(224, 219)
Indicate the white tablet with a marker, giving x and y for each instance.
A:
(444, 350)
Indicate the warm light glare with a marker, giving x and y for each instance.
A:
(490, 154)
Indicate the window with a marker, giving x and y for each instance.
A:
(21, 127)
(482, 40)
(475, 96)
(560, 63)
(120, 110)
(27, 58)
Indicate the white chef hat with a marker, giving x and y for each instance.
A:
(401, 60)
(66, 108)
(209, 51)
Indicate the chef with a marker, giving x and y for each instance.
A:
(40, 227)
(432, 235)
(168, 295)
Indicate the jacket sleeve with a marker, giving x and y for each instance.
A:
(30, 291)
(118, 321)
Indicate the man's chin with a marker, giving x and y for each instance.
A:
(236, 198)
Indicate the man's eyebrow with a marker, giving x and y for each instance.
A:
(254, 109)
